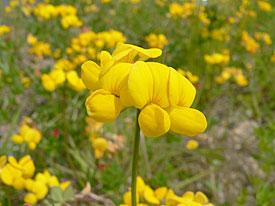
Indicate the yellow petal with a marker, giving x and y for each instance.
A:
(154, 121)
(29, 169)
(103, 106)
(149, 196)
(48, 83)
(116, 81)
(128, 199)
(64, 185)
(19, 183)
(160, 193)
(53, 181)
(18, 139)
(200, 198)
(140, 185)
(29, 184)
(160, 74)
(89, 74)
(104, 57)
(187, 121)
(75, 81)
(6, 176)
(100, 144)
(140, 84)
(189, 195)
(30, 198)
(181, 92)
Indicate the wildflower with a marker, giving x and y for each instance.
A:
(263, 36)
(164, 196)
(4, 29)
(28, 134)
(265, 6)
(217, 58)
(192, 144)
(157, 41)
(249, 43)
(229, 72)
(100, 145)
(14, 173)
(192, 78)
(124, 84)
(110, 81)
(70, 21)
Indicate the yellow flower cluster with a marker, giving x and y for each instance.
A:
(18, 174)
(187, 9)
(146, 196)
(264, 37)
(87, 43)
(157, 41)
(265, 6)
(217, 58)
(4, 29)
(163, 95)
(249, 43)
(221, 34)
(38, 48)
(28, 134)
(234, 72)
(192, 78)
(12, 5)
(68, 14)
(85, 46)
(15, 173)
(39, 186)
(57, 77)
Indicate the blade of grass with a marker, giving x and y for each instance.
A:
(13, 124)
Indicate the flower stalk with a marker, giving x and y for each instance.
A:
(135, 162)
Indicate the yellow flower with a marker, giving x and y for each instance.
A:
(158, 41)
(4, 29)
(265, 6)
(192, 144)
(167, 105)
(14, 173)
(70, 21)
(30, 198)
(17, 139)
(162, 194)
(217, 58)
(100, 145)
(120, 85)
(110, 81)
(249, 43)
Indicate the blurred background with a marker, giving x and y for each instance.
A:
(224, 47)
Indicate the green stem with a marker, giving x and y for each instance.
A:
(135, 162)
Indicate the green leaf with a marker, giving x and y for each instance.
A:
(68, 194)
(57, 195)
